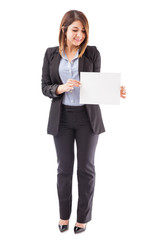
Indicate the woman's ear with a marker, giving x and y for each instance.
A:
(63, 29)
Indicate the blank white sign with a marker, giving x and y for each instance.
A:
(100, 88)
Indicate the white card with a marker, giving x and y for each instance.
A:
(100, 88)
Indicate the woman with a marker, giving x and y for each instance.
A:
(70, 121)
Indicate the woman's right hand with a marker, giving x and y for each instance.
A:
(68, 86)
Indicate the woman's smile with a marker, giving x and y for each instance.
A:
(78, 40)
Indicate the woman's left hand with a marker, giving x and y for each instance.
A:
(123, 91)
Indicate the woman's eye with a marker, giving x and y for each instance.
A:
(77, 31)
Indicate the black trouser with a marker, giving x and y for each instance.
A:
(75, 125)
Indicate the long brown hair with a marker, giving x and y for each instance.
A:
(68, 19)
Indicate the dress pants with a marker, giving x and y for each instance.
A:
(75, 127)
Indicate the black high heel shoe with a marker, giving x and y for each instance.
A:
(79, 230)
(63, 228)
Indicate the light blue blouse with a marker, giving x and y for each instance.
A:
(69, 70)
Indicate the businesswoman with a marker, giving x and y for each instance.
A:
(69, 121)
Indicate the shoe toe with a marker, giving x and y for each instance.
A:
(79, 230)
(63, 228)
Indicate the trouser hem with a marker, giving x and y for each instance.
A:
(83, 220)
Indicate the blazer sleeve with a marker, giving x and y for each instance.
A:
(96, 61)
(48, 88)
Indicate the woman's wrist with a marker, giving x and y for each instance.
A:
(60, 89)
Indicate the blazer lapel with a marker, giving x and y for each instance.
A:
(81, 63)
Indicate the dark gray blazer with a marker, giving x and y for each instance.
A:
(89, 62)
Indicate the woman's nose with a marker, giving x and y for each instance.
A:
(79, 34)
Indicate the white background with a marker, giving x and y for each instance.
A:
(126, 203)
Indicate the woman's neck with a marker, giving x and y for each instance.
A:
(71, 49)
(70, 52)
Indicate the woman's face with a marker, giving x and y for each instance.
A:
(75, 34)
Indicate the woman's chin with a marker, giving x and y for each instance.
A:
(77, 44)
